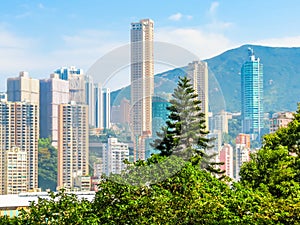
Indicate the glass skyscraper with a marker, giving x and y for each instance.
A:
(252, 96)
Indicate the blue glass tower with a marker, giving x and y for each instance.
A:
(252, 96)
(159, 117)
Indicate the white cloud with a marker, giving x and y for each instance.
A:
(175, 17)
(179, 16)
(203, 44)
(213, 8)
(21, 53)
(293, 41)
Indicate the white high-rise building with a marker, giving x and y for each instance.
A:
(53, 91)
(198, 73)
(106, 107)
(142, 83)
(114, 154)
(98, 97)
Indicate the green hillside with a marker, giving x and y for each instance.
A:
(281, 79)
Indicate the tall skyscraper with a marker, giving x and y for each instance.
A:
(142, 84)
(114, 154)
(106, 108)
(53, 91)
(90, 99)
(252, 96)
(98, 105)
(197, 71)
(23, 88)
(19, 129)
(73, 153)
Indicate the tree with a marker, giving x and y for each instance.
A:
(59, 208)
(47, 174)
(276, 166)
(185, 133)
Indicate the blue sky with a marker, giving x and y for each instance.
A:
(40, 36)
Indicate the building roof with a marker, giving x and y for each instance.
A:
(24, 199)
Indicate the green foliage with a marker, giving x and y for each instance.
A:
(47, 163)
(185, 132)
(277, 164)
(59, 208)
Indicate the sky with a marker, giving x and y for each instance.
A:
(41, 36)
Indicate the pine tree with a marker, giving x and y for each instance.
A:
(185, 132)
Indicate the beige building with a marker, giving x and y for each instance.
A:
(16, 171)
(23, 88)
(73, 151)
(19, 128)
(142, 83)
(280, 119)
(197, 71)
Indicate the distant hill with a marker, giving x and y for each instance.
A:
(281, 79)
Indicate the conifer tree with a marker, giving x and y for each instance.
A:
(185, 133)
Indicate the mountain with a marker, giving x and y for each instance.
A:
(281, 79)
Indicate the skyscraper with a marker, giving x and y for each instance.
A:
(23, 88)
(77, 83)
(53, 91)
(142, 83)
(198, 73)
(19, 129)
(98, 105)
(73, 151)
(90, 99)
(106, 108)
(252, 96)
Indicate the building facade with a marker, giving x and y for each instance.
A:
(142, 84)
(219, 122)
(252, 96)
(197, 71)
(73, 151)
(114, 155)
(23, 88)
(16, 171)
(242, 153)
(19, 129)
(53, 91)
(280, 119)
(226, 156)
